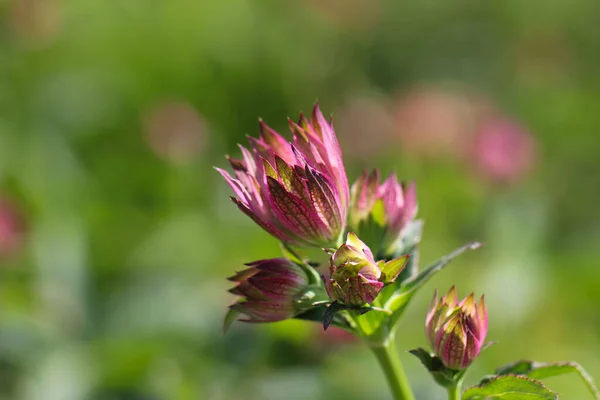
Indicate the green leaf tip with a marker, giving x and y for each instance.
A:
(230, 317)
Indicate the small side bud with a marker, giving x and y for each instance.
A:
(355, 278)
(269, 290)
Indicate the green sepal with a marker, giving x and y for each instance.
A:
(336, 307)
(510, 387)
(229, 319)
(444, 376)
(391, 269)
(540, 370)
(317, 314)
(313, 276)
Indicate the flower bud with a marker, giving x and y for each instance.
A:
(456, 330)
(355, 278)
(391, 205)
(269, 290)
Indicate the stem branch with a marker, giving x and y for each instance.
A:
(392, 367)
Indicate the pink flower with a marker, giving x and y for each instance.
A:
(456, 330)
(503, 151)
(398, 205)
(298, 192)
(269, 289)
(11, 229)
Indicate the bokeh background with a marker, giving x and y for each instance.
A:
(116, 234)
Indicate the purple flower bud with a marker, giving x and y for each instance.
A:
(391, 204)
(456, 330)
(298, 191)
(269, 290)
(355, 278)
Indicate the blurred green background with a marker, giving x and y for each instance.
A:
(116, 234)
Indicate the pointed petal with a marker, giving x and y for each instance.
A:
(243, 275)
(276, 142)
(483, 318)
(236, 185)
(451, 299)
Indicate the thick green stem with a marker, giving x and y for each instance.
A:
(454, 392)
(392, 367)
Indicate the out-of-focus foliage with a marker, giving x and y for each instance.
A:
(116, 234)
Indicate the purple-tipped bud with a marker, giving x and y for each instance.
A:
(298, 191)
(456, 330)
(393, 205)
(269, 290)
(355, 278)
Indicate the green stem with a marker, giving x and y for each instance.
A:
(392, 367)
(454, 391)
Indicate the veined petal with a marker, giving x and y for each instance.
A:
(296, 215)
(324, 201)
(290, 178)
(451, 343)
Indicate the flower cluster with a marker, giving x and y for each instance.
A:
(298, 192)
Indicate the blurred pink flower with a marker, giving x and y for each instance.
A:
(36, 20)
(12, 229)
(349, 14)
(367, 127)
(502, 150)
(175, 131)
(434, 122)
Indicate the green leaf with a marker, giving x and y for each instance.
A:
(445, 377)
(425, 275)
(510, 387)
(538, 370)
(230, 317)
